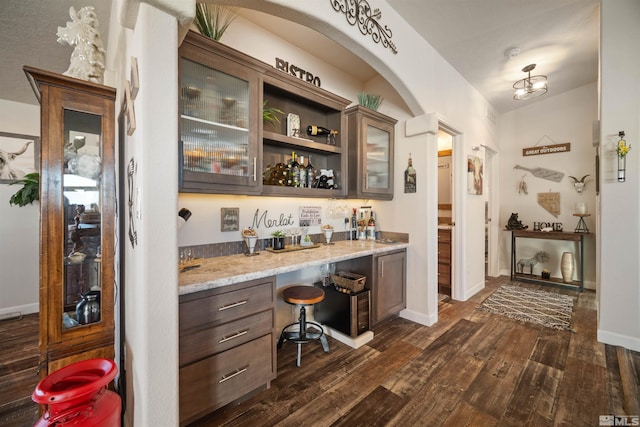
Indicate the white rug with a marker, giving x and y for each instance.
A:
(531, 305)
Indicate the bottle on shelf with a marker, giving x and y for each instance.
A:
(362, 227)
(303, 173)
(371, 228)
(294, 171)
(313, 130)
(311, 174)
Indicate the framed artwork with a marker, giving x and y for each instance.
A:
(229, 219)
(19, 155)
(474, 175)
(130, 112)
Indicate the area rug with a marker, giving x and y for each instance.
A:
(531, 305)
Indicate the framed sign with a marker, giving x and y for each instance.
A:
(19, 155)
(229, 219)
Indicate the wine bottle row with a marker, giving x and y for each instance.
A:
(297, 172)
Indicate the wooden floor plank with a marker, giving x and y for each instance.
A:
(375, 409)
(630, 381)
(465, 415)
(582, 397)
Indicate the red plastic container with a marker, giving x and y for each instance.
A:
(77, 395)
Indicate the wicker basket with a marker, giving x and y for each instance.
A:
(351, 281)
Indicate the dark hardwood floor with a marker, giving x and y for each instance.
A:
(472, 368)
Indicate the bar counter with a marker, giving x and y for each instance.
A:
(229, 270)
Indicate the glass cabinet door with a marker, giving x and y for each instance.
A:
(377, 159)
(215, 116)
(82, 219)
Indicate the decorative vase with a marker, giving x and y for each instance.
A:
(278, 243)
(567, 266)
(622, 168)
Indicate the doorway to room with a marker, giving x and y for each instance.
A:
(445, 214)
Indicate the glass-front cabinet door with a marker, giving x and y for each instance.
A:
(77, 212)
(218, 122)
(371, 142)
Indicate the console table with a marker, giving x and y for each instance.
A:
(551, 235)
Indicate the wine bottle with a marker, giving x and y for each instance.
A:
(294, 172)
(314, 130)
(371, 227)
(303, 173)
(354, 225)
(311, 174)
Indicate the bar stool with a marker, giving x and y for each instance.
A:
(303, 296)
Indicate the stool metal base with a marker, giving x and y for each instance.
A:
(307, 331)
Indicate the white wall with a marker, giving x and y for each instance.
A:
(619, 293)
(19, 226)
(567, 117)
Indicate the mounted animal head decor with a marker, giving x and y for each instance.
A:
(579, 184)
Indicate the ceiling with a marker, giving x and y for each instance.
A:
(560, 36)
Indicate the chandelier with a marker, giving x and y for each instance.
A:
(530, 86)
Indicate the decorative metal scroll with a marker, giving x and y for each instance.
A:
(358, 12)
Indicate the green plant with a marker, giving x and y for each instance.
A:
(29, 192)
(270, 114)
(369, 100)
(278, 233)
(212, 20)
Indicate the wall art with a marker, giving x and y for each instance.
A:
(19, 155)
(410, 178)
(543, 173)
(229, 219)
(129, 110)
(135, 78)
(551, 202)
(474, 175)
(359, 13)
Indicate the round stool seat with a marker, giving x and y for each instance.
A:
(305, 295)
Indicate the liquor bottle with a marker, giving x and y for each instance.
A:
(371, 228)
(354, 226)
(294, 171)
(303, 173)
(311, 173)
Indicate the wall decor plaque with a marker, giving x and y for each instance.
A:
(546, 149)
(551, 202)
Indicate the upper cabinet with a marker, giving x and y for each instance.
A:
(77, 210)
(225, 147)
(219, 110)
(371, 145)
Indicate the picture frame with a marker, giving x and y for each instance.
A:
(135, 78)
(19, 155)
(475, 172)
(229, 219)
(129, 110)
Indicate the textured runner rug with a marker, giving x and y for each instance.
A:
(531, 305)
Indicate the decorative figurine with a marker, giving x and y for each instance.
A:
(87, 58)
(515, 224)
(578, 184)
(530, 262)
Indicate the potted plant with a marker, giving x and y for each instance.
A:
(29, 192)
(212, 20)
(270, 114)
(369, 100)
(277, 241)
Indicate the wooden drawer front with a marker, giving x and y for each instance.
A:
(207, 342)
(444, 274)
(217, 380)
(225, 307)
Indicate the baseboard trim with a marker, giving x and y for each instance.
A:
(421, 318)
(20, 309)
(612, 338)
(356, 342)
(474, 290)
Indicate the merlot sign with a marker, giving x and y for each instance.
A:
(296, 71)
(546, 149)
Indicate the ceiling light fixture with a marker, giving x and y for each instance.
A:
(531, 86)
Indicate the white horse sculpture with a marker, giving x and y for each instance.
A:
(87, 59)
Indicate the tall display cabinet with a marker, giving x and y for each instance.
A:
(77, 219)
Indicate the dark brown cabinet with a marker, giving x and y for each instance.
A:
(371, 145)
(227, 147)
(226, 345)
(444, 262)
(388, 286)
(77, 211)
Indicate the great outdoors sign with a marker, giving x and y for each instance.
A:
(546, 149)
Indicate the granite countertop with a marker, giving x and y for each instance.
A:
(228, 270)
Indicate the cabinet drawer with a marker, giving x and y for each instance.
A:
(227, 306)
(217, 380)
(206, 342)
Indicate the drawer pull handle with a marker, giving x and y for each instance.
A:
(230, 337)
(232, 375)
(235, 304)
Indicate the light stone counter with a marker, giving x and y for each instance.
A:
(228, 270)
